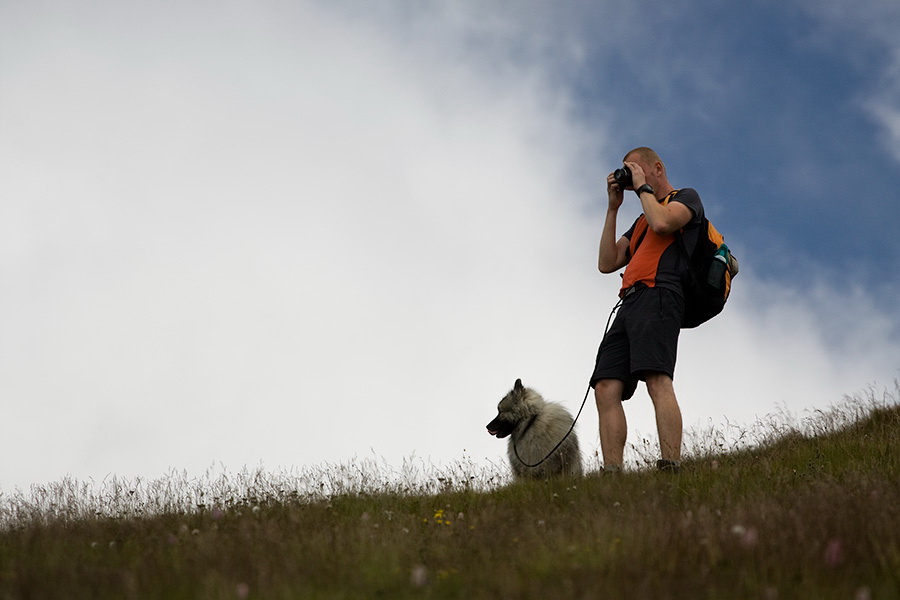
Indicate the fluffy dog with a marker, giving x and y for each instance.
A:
(534, 426)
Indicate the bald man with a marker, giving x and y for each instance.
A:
(642, 342)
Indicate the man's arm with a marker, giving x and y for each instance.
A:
(663, 219)
(613, 252)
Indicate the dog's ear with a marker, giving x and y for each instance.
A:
(518, 387)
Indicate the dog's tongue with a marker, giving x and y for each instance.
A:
(493, 432)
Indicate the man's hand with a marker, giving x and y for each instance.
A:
(638, 177)
(613, 253)
(616, 195)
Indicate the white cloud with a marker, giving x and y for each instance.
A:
(301, 255)
(295, 238)
(796, 348)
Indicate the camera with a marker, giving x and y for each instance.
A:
(623, 177)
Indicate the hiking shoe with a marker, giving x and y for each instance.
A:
(668, 466)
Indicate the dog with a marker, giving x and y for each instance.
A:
(534, 427)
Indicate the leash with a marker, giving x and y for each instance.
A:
(583, 402)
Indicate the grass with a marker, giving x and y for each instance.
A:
(786, 509)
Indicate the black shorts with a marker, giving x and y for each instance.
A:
(643, 337)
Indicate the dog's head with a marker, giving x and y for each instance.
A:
(510, 412)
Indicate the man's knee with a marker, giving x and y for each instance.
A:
(608, 392)
(657, 380)
(659, 385)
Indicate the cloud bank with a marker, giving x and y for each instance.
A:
(292, 236)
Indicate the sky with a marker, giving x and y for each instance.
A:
(289, 234)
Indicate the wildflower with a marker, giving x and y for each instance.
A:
(418, 577)
(242, 590)
(834, 553)
(748, 537)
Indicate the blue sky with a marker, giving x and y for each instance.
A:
(768, 108)
(259, 233)
(775, 118)
(777, 108)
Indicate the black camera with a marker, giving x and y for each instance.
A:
(623, 177)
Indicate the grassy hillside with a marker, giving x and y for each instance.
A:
(803, 514)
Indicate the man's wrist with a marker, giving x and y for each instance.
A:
(644, 188)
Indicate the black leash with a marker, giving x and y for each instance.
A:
(583, 402)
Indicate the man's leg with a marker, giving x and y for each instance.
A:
(613, 427)
(668, 415)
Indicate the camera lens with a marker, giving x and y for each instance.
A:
(623, 177)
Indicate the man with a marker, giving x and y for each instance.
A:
(643, 340)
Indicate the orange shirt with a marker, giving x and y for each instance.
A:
(656, 260)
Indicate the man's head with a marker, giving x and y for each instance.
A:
(652, 165)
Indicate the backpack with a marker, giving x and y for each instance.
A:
(707, 281)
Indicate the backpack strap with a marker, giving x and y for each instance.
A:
(679, 236)
(684, 251)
